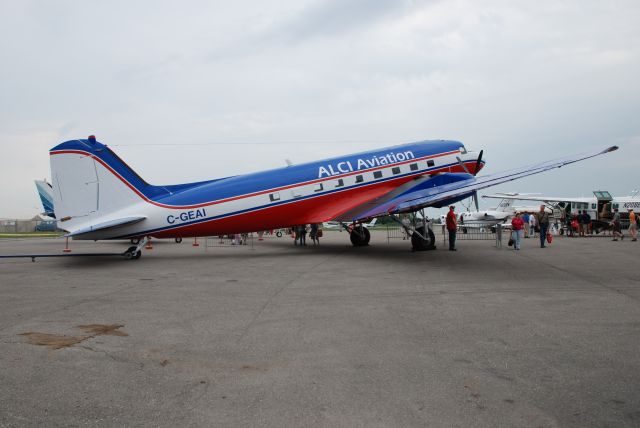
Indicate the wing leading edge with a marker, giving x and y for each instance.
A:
(447, 188)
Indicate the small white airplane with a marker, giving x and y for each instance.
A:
(98, 196)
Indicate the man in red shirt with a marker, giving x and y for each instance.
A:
(452, 227)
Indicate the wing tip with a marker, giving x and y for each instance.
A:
(611, 149)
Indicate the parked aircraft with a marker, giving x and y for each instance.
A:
(98, 196)
(599, 207)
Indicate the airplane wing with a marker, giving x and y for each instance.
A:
(515, 196)
(447, 188)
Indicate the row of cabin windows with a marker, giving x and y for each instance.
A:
(359, 179)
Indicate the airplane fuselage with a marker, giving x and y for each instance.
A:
(300, 194)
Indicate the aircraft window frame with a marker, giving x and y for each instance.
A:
(340, 183)
(395, 170)
(318, 187)
(431, 162)
(463, 150)
(377, 174)
(413, 166)
(359, 178)
(594, 206)
(274, 196)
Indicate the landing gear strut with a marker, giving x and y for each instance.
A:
(135, 251)
(422, 237)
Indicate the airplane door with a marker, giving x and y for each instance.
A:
(604, 204)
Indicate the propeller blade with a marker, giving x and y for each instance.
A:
(462, 165)
(478, 163)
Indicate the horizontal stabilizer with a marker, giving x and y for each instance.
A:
(111, 224)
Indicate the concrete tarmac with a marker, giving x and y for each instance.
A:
(330, 336)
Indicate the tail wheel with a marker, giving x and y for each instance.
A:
(132, 254)
(178, 240)
(135, 241)
(420, 244)
(360, 236)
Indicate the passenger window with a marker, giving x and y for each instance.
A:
(396, 170)
(359, 179)
(413, 166)
(377, 174)
(274, 196)
(430, 163)
(318, 187)
(340, 183)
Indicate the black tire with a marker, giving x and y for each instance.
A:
(178, 240)
(130, 253)
(420, 244)
(279, 234)
(137, 255)
(360, 236)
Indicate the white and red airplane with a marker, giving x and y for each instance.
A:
(98, 196)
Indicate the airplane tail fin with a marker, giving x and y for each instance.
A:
(90, 183)
(45, 191)
(506, 205)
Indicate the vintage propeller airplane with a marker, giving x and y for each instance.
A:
(98, 196)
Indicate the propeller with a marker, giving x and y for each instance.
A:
(478, 167)
(478, 162)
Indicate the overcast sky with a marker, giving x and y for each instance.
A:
(193, 90)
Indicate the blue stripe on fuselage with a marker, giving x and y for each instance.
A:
(209, 191)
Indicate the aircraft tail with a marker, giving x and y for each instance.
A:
(45, 191)
(506, 205)
(91, 184)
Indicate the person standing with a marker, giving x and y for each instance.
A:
(580, 219)
(517, 227)
(633, 225)
(532, 226)
(587, 222)
(542, 218)
(526, 218)
(302, 234)
(452, 227)
(617, 226)
(313, 233)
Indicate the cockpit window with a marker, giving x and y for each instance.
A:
(463, 150)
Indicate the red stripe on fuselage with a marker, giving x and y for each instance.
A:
(456, 168)
(311, 210)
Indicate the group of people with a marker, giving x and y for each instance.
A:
(300, 234)
(580, 223)
(617, 225)
(531, 223)
(519, 225)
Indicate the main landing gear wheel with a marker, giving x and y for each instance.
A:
(135, 241)
(360, 236)
(420, 244)
(132, 254)
(178, 240)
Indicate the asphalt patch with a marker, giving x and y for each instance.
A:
(59, 341)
